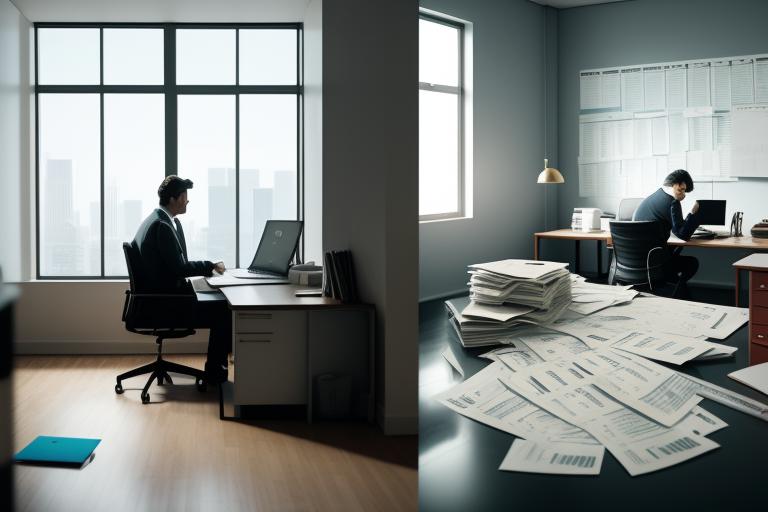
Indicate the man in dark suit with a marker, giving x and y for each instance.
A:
(664, 206)
(165, 267)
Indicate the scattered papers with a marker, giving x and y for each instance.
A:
(451, 358)
(588, 298)
(485, 399)
(559, 459)
(572, 382)
(640, 444)
(755, 377)
(729, 398)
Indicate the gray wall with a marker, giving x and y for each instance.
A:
(14, 141)
(509, 68)
(370, 178)
(647, 31)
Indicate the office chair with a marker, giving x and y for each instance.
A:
(143, 314)
(639, 254)
(627, 207)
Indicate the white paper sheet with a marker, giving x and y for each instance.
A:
(655, 95)
(557, 459)
(742, 82)
(452, 360)
(632, 89)
(643, 137)
(590, 90)
(675, 86)
(526, 269)
(611, 84)
(761, 80)
(698, 84)
(721, 85)
(587, 180)
(660, 135)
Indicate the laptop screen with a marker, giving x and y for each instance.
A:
(277, 246)
(712, 212)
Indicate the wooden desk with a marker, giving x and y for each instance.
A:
(577, 237)
(282, 342)
(757, 266)
(745, 243)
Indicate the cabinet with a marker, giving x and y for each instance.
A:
(757, 266)
(282, 343)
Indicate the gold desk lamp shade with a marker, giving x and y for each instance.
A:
(550, 174)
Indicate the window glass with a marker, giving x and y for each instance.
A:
(439, 52)
(69, 200)
(133, 56)
(205, 57)
(207, 157)
(267, 165)
(134, 166)
(438, 153)
(68, 56)
(268, 57)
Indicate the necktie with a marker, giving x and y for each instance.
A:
(180, 233)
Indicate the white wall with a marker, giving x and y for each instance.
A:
(14, 142)
(508, 98)
(370, 179)
(313, 132)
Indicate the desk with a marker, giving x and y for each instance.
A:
(745, 243)
(282, 342)
(577, 237)
(459, 458)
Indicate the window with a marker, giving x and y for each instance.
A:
(443, 176)
(121, 106)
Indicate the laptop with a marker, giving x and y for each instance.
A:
(277, 247)
(711, 213)
(58, 450)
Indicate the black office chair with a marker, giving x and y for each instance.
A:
(143, 314)
(639, 254)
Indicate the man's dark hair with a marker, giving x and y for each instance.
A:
(172, 186)
(679, 176)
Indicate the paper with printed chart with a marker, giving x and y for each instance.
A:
(558, 459)
(485, 399)
(570, 390)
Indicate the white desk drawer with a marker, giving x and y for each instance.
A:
(271, 359)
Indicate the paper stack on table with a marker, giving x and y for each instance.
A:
(509, 293)
(522, 282)
(588, 298)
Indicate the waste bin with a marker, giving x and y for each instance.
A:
(334, 396)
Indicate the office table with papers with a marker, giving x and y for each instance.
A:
(460, 458)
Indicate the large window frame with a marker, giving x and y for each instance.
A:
(171, 92)
(460, 92)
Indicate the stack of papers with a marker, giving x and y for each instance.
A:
(507, 294)
(538, 284)
(588, 298)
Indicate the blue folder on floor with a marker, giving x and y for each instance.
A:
(58, 450)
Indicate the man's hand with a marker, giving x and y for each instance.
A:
(219, 267)
(695, 207)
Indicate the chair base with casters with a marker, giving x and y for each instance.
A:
(160, 368)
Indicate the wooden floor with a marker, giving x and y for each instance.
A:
(175, 453)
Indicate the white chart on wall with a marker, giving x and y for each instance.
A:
(708, 116)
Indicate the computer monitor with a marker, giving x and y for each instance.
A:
(712, 212)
